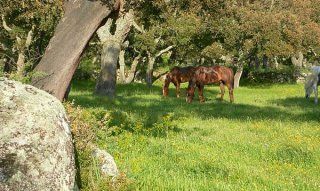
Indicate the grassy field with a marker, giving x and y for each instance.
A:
(269, 139)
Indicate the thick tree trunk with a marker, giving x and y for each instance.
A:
(108, 75)
(297, 61)
(112, 46)
(133, 69)
(237, 77)
(149, 74)
(80, 21)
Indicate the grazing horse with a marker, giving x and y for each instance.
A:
(312, 82)
(177, 76)
(210, 75)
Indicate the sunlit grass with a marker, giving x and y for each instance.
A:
(269, 139)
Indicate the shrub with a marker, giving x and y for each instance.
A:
(285, 75)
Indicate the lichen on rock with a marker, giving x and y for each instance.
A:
(36, 149)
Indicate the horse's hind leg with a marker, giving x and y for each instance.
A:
(222, 90)
(200, 92)
(315, 94)
(178, 89)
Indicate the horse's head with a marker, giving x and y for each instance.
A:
(190, 92)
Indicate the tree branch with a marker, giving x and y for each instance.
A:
(104, 31)
(136, 26)
(4, 24)
(29, 38)
(164, 51)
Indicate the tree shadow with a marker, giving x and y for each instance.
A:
(132, 99)
(297, 102)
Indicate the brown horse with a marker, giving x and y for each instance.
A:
(210, 75)
(177, 76)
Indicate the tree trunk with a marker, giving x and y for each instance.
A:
(237, 77)
(122, 76)
(108, 75)
(133, 69)
(276, 64)
(151, 61)
(106, 83)
(257, 62)
(150, 71)
(297, 61)
(61, 58)
(20, 63)
(265, 61)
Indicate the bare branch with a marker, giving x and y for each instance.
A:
(29, 38)
(157, 40)
(4, 24)
(164, 51)
(18, 40)
(136, 26)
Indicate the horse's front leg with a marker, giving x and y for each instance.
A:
(315, 87)
(200, 92)
(222, 90)
(178, 89)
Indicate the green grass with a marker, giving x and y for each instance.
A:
(269, 139)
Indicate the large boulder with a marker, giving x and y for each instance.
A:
(36, 149)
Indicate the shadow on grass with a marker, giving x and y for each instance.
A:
(150, 105)
(297, 102)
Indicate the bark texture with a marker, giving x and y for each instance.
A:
(80, 21)
(106, 84)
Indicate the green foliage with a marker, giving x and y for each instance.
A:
(21, 17)
(261, 76)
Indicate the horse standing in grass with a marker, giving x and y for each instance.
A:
(177, 76)
(312, 82)
(210, 75)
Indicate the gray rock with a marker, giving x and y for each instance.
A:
(36, 149)
(106, 162)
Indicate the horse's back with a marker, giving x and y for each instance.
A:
(316, 69)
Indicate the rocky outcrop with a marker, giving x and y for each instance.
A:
(36, 149)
